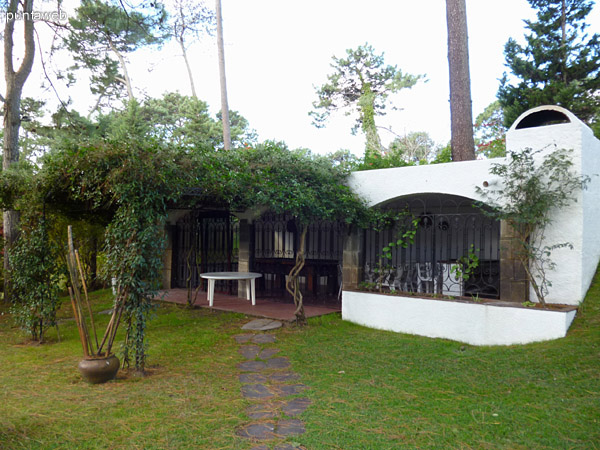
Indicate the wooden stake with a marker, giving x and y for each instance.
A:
(81, 336)
(71, 264)
(87, 300)
(114, 330)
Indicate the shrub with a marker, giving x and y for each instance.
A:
(35, 276)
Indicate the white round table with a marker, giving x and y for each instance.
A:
(249, 277)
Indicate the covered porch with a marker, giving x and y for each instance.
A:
(202, 241)
(268, 308)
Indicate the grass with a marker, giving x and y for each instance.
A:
(370, 389)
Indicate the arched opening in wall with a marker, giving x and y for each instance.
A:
(437, 244)
(542, 118)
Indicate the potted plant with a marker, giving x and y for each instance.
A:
(99, 363)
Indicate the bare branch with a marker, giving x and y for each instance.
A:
(389, 130)
(37, 36)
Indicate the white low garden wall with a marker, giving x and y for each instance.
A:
(471, 323)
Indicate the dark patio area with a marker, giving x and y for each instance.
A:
(263, 308)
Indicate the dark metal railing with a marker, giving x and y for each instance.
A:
(205, 242)
(276, 241)
(436, 260)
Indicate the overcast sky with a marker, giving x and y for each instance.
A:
(277, 51)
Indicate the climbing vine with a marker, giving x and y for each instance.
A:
(533, 183)
(130, 182)
(34, 299)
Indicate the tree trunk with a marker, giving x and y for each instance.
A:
(292, 284)
(96, 106)
(367, 112)
(187, 65)
(15, 80)
(461, 114)
(222, 78)
(563, 39)
(127, 80)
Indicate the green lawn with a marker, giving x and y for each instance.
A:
(370, 389)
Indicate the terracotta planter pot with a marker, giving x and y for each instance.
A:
(99, 370)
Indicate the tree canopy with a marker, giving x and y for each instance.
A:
(102, 31)
(361, 82)
(296, 182)
(559, 64)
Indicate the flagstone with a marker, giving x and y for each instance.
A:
(263, 339)
(252, 378)
(249, 351)
(243, 338)
(256, 391)
(268, 353)
(259, 431)
(262, 325)
(278, 363)
(263, 411)
(282, 377)
(252, 366)
(291, 427)
(289, 389)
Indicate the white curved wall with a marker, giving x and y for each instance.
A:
(590, 166)
(577, 224)
(458, 178)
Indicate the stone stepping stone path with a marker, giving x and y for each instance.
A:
(262, 325)
(273, 389)
(279, 447)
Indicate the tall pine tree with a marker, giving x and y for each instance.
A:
(461, 110)
(560, 64)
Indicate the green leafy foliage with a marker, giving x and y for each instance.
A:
(560, 63)
(532, 185)
(35, 281)
(489, 132)
(186, 122)
(172, 120)
(405, 236)
(131, 181)
(415, 148)
(101, 33)
(444, 155)
(345, 160)
(296, 182)
(360, 82)
(466, 264)
(128, 179)
(306, 186)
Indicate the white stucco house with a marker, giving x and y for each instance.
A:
(442, 197)
(436, 204)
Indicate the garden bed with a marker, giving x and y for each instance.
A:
(486, 322)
